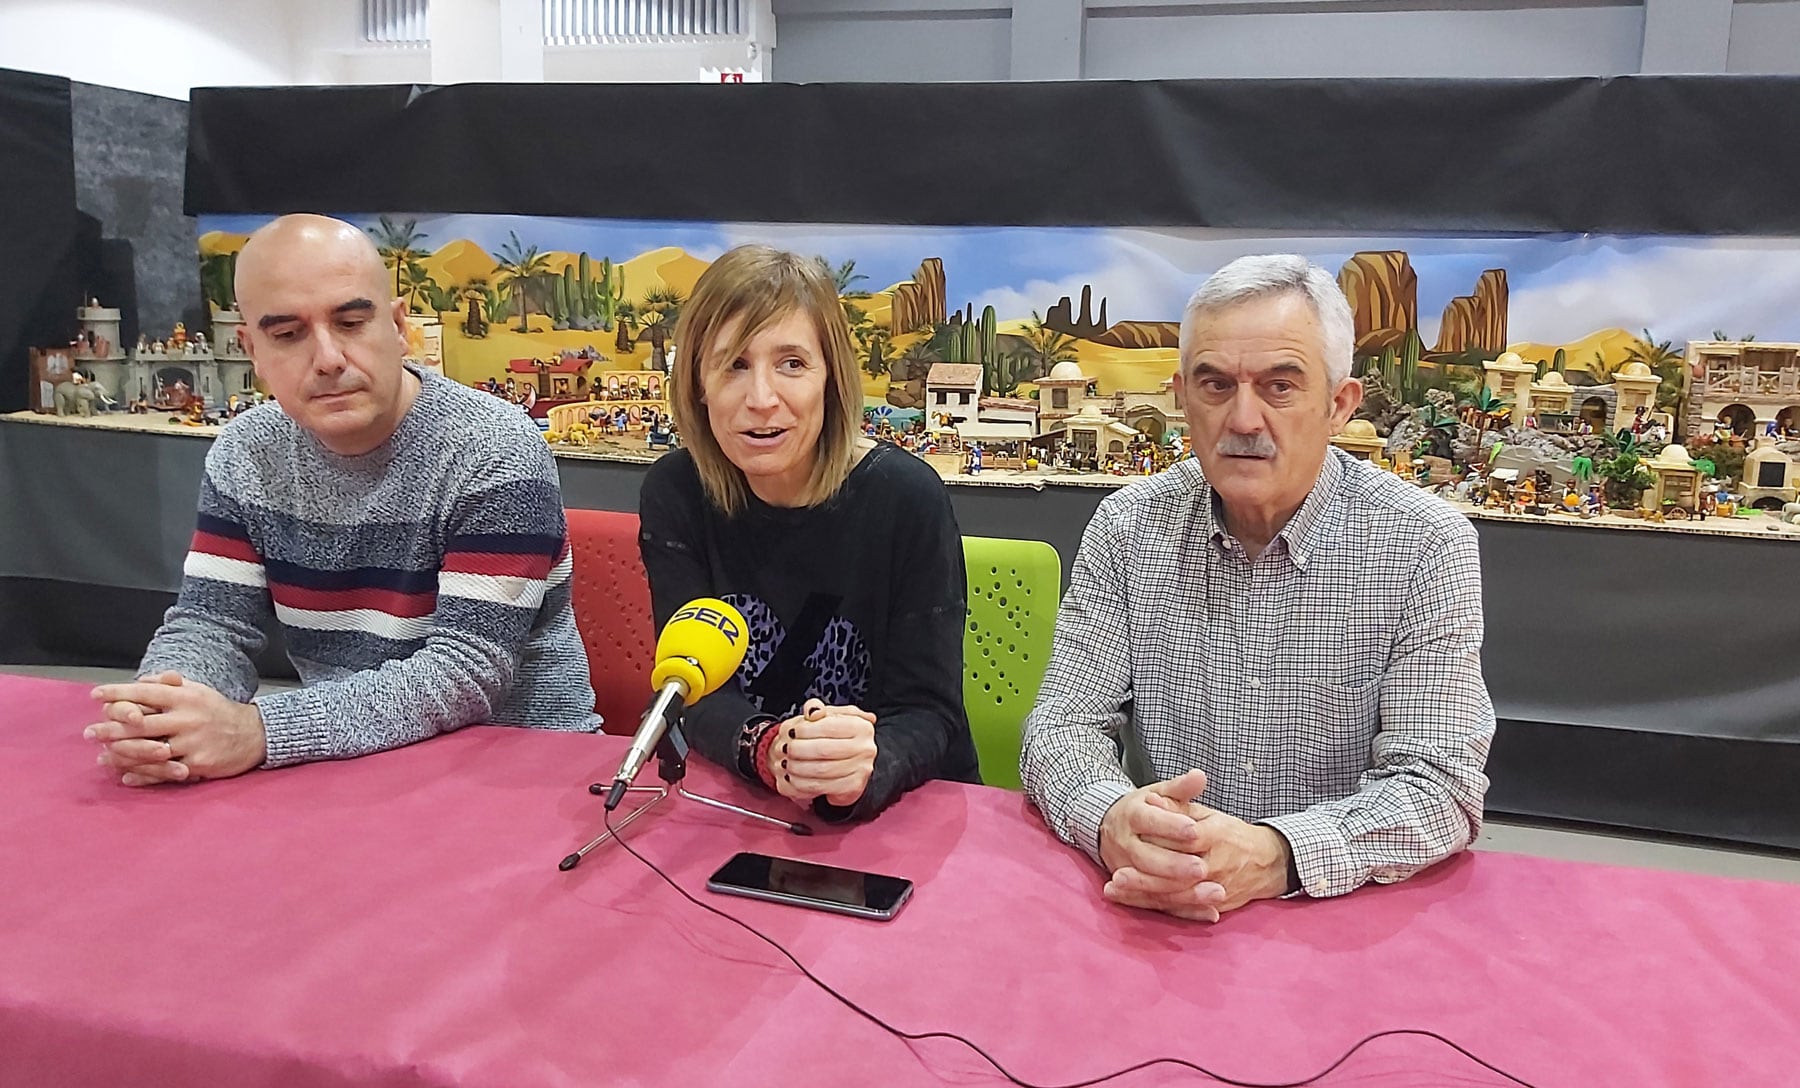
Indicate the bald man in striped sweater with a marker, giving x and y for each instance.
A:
(406, 532)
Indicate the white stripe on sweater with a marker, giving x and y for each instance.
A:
(366, 620)
(217, 568)
(504, 589)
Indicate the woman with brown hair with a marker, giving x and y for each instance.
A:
(843, 554)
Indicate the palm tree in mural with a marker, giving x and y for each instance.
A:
(518, 265)
(398, 243)
(624, 317)
(662, 300)
(844, 278)
(656, 316)
(658, 330)
(416, 286)
(475, 295)
(1046, 347)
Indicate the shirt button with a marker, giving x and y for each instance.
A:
(1255, 683)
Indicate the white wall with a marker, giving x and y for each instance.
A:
(893, 47)
(164, 48)
(1765, 38)
(1492, 42)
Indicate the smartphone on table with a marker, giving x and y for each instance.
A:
(809, 884)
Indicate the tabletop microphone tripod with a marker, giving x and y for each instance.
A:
(700, 647)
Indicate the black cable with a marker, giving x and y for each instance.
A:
(910, 1037)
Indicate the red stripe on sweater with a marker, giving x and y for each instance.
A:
(225, 547)
(394, 603)
(500, 564)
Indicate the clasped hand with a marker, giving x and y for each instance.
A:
(824, 751)
(1167, 852)
(167, 728)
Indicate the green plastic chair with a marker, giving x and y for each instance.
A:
(1014, 587)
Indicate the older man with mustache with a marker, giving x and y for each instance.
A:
(405, 532)
(1266, 677)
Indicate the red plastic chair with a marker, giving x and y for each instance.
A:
(612, 610)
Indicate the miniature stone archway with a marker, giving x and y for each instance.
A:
(1595, 411)
(1740, 418)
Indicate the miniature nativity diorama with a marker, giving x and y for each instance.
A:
(1028, 381)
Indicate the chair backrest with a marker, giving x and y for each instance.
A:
(612, 609)
(1014, 588)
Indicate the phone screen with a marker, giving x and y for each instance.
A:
(808, 884)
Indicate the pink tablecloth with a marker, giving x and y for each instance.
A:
(400, 920)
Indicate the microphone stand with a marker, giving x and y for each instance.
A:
(671, 767)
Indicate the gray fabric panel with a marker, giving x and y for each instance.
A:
(107, 507)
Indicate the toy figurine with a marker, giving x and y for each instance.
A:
(1637, 421)
(975, 459)
(1524, 496)
(178, 338)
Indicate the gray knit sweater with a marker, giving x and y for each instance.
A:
(420, 587)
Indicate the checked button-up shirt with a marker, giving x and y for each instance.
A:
(1330, 688)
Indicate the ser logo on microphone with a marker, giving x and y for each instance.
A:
(712, 617)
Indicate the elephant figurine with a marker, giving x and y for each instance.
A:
(76, 397)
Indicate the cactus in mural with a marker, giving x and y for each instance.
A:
(606, 292)
(586, 305)
(989, 349)
(1003, 374)
(1559, 361)
(559, 301)
(1410, 353)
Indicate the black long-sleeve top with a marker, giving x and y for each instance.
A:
(859, 600)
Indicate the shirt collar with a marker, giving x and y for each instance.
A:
(1304, 532)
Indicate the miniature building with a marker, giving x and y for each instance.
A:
(1677, 480)
(1509, 377)
(1747, 384)
(1359, 440)
(567, 377)
(168, 374)
(1009, 410)
(1637, 388)
(1061, 393)
(98, 352)
(228, 335)
(953, 389)
(1092, 434)
(1551, 400)
(235, 372)
(1769, 478)
(1150, 412)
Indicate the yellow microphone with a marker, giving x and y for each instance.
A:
(699, 649)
